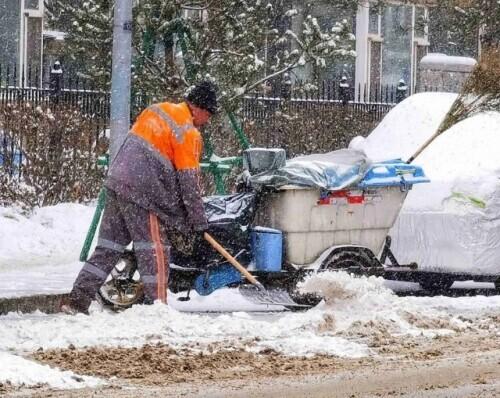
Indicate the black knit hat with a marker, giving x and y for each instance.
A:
(204, 96)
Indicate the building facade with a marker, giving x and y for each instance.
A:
(21, 41)
(391, 39)
(390, 42)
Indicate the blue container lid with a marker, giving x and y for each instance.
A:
(266, 230)
(393, 173)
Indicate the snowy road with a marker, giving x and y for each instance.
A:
(359, 320)
(357, 313)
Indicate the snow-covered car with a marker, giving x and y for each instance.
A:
(453, 223)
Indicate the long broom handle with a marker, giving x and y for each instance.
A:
(425, 145)
(232, 260)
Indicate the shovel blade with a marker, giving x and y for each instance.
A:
(270, 296)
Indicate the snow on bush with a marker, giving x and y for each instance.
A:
(51, 156)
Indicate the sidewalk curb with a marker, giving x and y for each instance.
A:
(47, 303)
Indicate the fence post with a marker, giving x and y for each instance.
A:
(401, 91)
(344, 90)
(286, 87)
(55, 83)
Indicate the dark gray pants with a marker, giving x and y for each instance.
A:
(124, 222)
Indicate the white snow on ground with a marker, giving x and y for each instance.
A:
(43, 278)
(51, 235)
(452, 223)
(20, 371)
(329, 328)
(353, 308)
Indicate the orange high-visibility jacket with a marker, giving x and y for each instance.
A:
(157, 166)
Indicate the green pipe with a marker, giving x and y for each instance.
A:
(220, 187)
(101, 201)
(239, 131)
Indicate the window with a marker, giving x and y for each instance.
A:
(397, 48)
(420, 22)
(373, 26)
(31, 4)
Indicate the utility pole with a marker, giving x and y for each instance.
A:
(120, 76)
(120, 99)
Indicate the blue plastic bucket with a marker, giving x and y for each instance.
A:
(267, 249)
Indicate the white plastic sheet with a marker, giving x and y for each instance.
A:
(451, 224)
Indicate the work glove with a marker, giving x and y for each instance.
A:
(184, 243)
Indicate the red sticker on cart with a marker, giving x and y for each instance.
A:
(350, 197)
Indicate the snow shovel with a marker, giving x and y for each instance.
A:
(256, 293)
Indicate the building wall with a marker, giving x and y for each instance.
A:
(390, 41)
(21, 25)
(445, 81)
(10, 16)
(445, 73)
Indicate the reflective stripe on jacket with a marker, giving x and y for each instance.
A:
(157, 166)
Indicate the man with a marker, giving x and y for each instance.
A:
(152, 186)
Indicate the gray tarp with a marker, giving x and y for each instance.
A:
(330, 171)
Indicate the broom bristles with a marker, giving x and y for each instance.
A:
(480, 93)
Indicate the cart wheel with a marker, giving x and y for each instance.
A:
(497, 285)
(437, 284)
(124, 287)
(352, 261)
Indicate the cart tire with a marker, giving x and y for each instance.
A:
(122, 290)
(350, 260)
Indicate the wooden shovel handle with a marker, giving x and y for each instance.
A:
(231, 259)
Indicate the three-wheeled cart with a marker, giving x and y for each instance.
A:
(283, 232)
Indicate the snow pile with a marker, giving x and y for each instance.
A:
(406, 127)
(19, 371)
(438, 61)
(51, 235)
(452, 223)
(353, 302)
(289, 333)
(332, 328)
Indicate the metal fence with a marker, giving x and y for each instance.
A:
(52, 130)
(32, 89)
(280, 114)
(54, 90)
(305, 117)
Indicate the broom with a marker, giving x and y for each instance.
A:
(480, 93)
